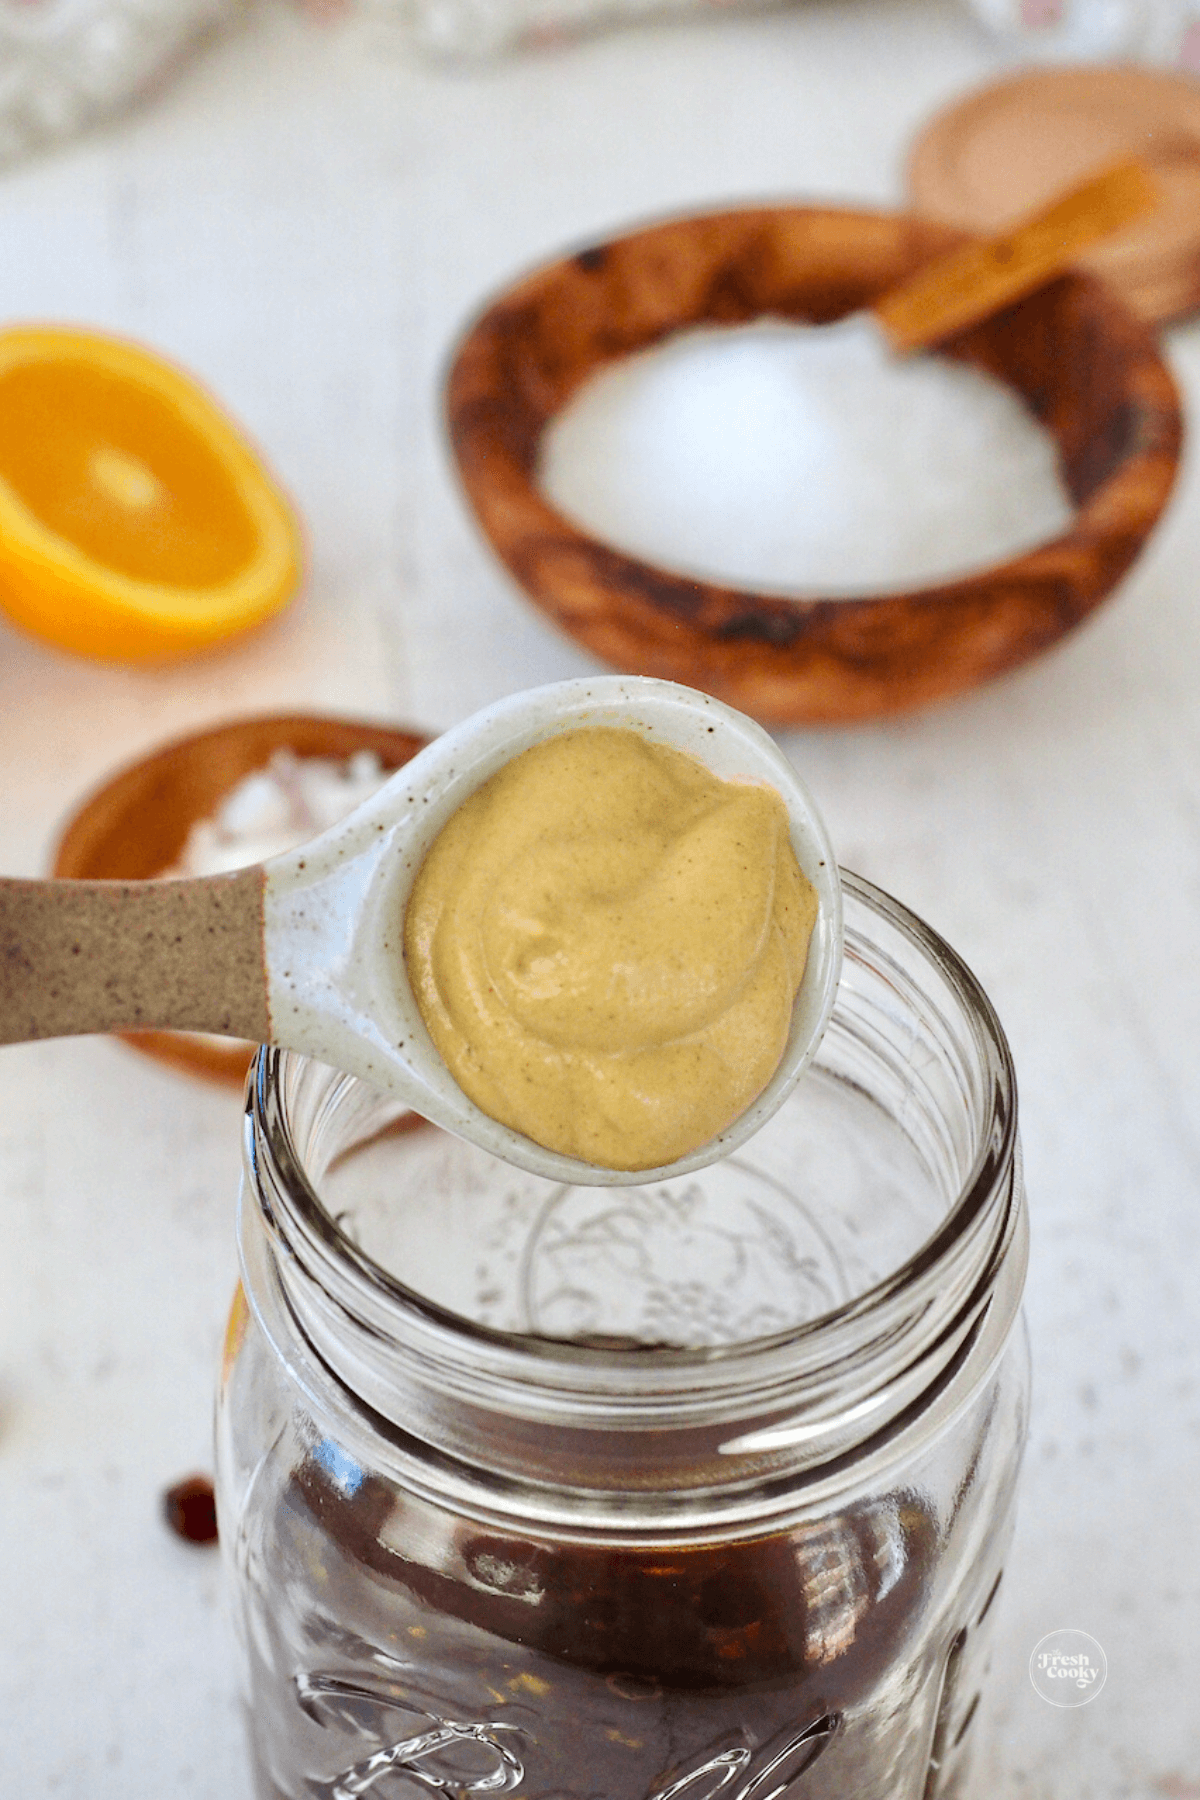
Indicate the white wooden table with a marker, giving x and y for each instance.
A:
(305, 219)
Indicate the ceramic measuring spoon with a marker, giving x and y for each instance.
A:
(304, 951)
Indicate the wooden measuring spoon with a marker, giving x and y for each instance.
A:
(304, 951)
(969, 284)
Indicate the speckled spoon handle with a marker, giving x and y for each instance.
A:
(84, 956)
(306, 951)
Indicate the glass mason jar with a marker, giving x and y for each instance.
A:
(700, 1487)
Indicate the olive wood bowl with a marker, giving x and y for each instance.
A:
(136, 825)
(1085, 366)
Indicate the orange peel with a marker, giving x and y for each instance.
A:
(136, 522)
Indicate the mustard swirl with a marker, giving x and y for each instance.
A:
(605, 943)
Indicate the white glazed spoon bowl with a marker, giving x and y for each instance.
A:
(333, 910)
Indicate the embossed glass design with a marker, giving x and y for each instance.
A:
(690, 1489)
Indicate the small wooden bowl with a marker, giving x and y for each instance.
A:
(1087, 369)
(136, 825)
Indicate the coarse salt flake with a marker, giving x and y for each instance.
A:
(277, 808)
(801, 458)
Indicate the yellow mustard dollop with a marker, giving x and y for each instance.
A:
(605, 942)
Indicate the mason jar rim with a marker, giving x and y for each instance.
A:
(269, 1132)
(585, 1426)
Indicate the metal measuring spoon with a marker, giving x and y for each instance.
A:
(305, 950)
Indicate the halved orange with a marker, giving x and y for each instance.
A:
(135, 520)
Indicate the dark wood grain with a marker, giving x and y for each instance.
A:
(1086, 367)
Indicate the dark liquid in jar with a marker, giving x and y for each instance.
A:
(450, 1656)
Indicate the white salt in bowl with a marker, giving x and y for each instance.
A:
(135, 826)
(1087, 370)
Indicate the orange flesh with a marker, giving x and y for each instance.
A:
(112, 469)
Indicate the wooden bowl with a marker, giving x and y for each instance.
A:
(136, 825)
(1087, 369)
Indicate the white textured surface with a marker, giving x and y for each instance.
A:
(306, 219)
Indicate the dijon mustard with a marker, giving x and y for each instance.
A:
(605, 942)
